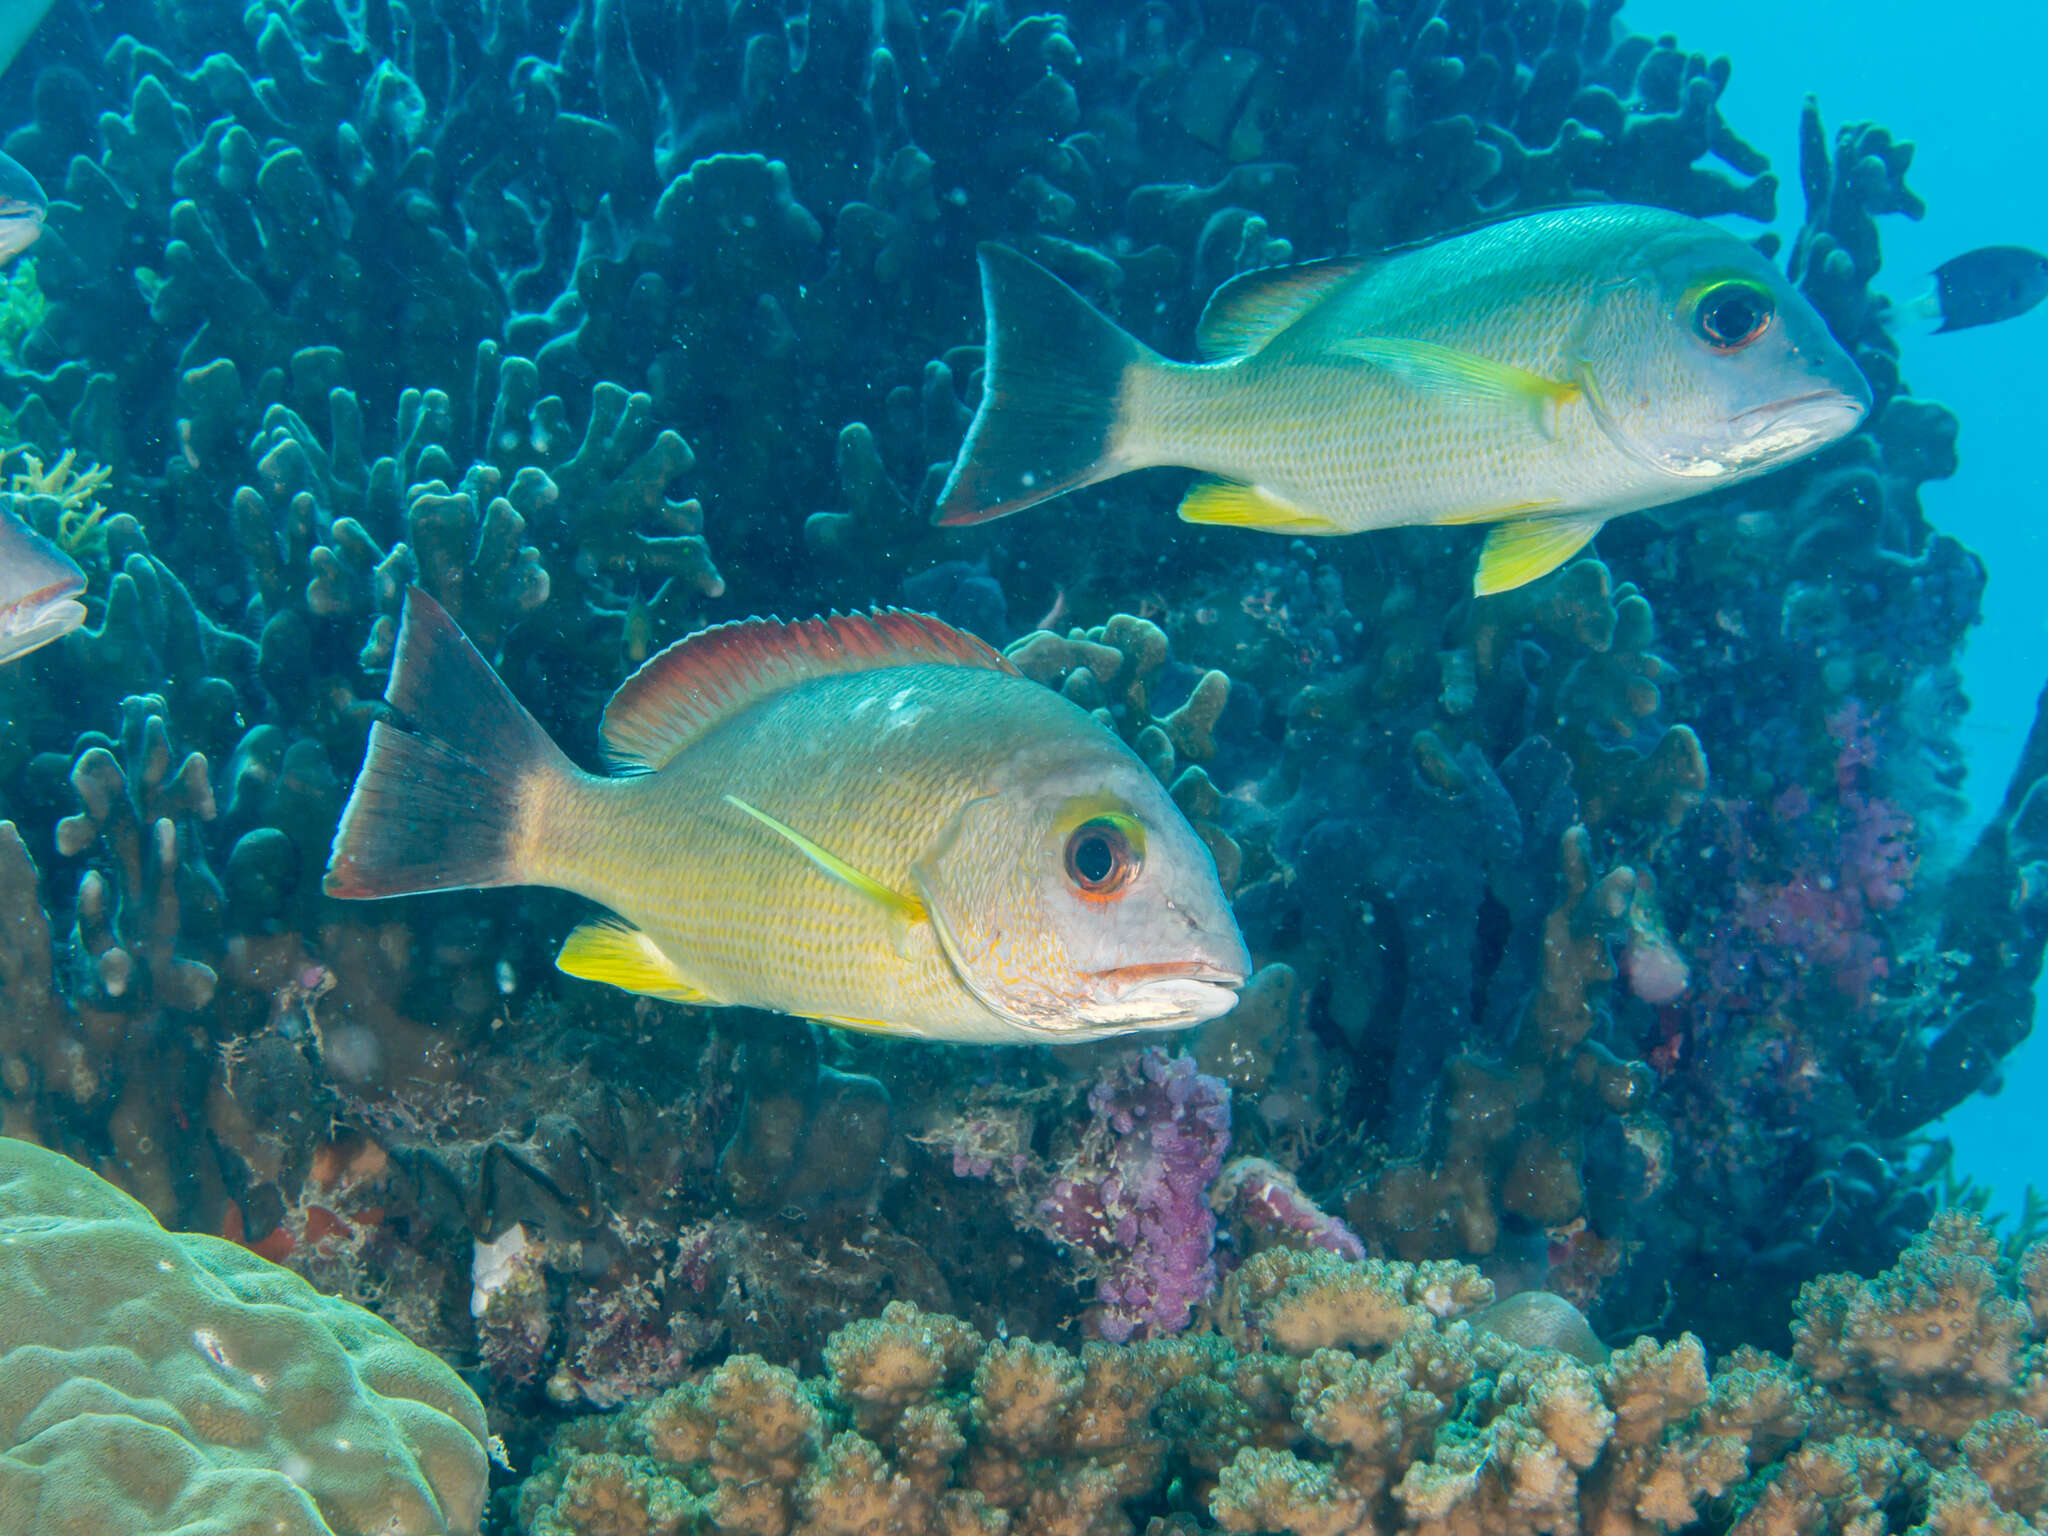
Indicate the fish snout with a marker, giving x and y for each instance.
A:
(1798, 424)
(1172, 994)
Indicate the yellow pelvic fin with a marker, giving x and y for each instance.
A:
(613, 951)
(1516, 553)
(1230, 505)
(830, 865)
(1464, 376)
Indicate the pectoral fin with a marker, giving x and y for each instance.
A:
(613, 951)
(1464, 376)
(1516, 553)
(899, 905)
(1230, 505)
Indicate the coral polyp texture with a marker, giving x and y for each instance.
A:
(1612, 936)
(1335, 1397)
(162, 1382)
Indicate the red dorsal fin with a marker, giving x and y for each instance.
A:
(714, 674)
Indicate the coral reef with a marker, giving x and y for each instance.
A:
(1614, 936)
(160, 1382)
(1337, 1396)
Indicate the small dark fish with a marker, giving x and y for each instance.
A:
(1997, 282)
(39, 589)
(22, 206)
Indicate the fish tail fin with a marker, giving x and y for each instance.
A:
(1052, 398)
(1925, 313)
(447, 804)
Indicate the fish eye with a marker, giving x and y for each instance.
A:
(1102, 855)
(1730, 315)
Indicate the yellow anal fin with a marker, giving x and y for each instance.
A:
(613, 951)
(1498, 514)
(1516, 553)
(829, 864)
(1464, 376)
(1227, 504)
(865, 1026)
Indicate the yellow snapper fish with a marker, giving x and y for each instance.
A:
(868, 819)
(1542, 374)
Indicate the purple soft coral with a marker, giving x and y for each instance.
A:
(1267, 1200)
(1135, 1196)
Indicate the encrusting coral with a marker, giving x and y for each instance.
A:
(160, 1382)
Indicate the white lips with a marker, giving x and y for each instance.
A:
(1169, 1002)
(38, 627)
(1789, 427)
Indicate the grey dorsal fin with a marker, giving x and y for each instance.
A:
(1254, 307)
(714, 674)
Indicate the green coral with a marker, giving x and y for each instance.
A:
(157, 1382)
(22, 307)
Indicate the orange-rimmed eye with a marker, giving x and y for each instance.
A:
(1729, 316)
(1102, 858)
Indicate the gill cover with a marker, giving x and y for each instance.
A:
(1086, 905)
(970, 899)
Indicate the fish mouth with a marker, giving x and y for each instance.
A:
(1168, 994)
(1173, 970)
(43, 616)
(1784, 428)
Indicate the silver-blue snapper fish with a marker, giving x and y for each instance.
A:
(1542, 374)
(22, 207)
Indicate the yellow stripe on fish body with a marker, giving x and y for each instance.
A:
(749, 918)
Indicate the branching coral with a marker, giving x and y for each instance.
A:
(527, 304)
(1344, 1397)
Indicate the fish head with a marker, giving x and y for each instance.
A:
(22, 210)
(1076, 901)
(39, 590)
(1703, 361)
(21, 225)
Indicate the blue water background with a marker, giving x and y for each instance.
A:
(1965, 85)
